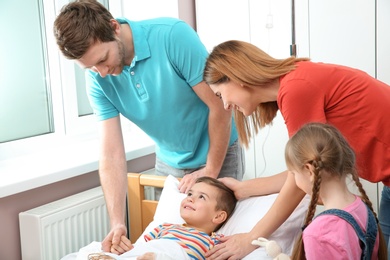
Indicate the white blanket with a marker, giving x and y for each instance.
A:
(163, 248)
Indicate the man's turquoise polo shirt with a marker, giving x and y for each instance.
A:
(155, 91)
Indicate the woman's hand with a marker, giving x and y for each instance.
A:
(236, 186)
(232, 247)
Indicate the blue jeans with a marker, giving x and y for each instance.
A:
(384, 216)
(233, 165)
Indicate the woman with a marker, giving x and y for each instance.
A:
(256, 85)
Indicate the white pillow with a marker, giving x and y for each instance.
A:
(246, 214)
(168, 207)
(249, 211)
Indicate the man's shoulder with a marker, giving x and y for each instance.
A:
(160, 21)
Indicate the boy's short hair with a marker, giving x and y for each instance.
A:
(226, 200)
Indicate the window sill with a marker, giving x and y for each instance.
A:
(63, 162)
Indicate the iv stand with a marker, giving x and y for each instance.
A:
(293, 46)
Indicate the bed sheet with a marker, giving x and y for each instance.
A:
(246, 215)
(164, 250)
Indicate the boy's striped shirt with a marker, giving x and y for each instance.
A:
(196, 243)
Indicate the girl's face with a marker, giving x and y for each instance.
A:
(304, 179)
(235, 96)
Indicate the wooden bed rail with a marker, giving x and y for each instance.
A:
(141, 211)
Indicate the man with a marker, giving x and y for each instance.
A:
(150, 72)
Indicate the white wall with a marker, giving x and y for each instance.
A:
(351, 33)
(348, 32)
(266, 24)
(146, 9)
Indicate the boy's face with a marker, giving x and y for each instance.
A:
(199, 207)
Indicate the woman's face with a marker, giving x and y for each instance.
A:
(235, 96)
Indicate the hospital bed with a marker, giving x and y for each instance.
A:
(145, 213)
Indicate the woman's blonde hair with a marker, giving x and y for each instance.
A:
(246, 64)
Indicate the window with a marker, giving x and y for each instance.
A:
(43, 101)
(25, 98)
(42, 95)
(83, 107)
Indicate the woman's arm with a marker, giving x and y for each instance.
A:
(257, 186)
(239, 245)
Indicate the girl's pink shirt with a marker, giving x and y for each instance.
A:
(331, 237)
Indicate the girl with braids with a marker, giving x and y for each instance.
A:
(256, 86)
(321, 159)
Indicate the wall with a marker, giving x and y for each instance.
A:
(187, 11)
(11, 206)
(139, 10)
(266, 24)
(350, 32)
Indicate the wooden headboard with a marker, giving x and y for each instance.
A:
(141, 211)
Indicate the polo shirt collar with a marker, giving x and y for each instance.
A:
(141, 46)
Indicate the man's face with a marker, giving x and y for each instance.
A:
(105, 58)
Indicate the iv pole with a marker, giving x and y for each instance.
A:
(293, 47)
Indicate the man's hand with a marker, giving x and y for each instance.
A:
(116, 241)
(232, 247)
(189, 180)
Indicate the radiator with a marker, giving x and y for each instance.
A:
(54, 230)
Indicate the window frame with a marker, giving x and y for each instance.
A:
(67, 125)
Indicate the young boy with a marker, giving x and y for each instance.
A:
(208, 205)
